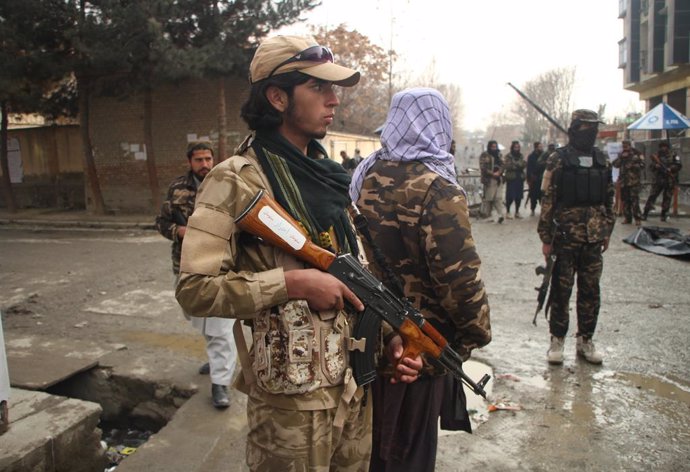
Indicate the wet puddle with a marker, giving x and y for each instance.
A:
(664, 388)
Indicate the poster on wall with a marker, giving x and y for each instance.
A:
(14, 160)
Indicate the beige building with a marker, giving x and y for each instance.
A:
(336, 141)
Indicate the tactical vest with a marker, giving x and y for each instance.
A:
(583, 178)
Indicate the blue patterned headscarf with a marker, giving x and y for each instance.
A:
(418, 128)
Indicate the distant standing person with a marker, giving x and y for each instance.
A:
(576, 222)
(491, 167)
(347, 162)
(357, 158)
(665, 166)
(535, 172)
(514, 174)
(630, 162)
(172, 223)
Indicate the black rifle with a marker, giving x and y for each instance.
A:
(546, 271)
(539, 109)
(264, 218)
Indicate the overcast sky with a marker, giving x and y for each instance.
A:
(480, 45)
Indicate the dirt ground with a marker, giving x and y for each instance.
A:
(631, 413)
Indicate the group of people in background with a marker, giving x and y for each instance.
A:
(503, 177)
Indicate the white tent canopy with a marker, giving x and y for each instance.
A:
(661, 117)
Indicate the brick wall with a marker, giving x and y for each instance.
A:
(181, 112)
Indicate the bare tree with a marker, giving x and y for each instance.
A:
(363, 108)
(552, 91)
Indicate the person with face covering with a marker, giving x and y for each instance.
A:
(514, 174)
(491, 167)
(418, 217)
(575, 224)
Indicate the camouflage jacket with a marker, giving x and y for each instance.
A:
(175, 211)
(514, 167)
(298, 358)
(665, 168)
(488, 165)
(584, 224)
(421, 223)
(630, 164)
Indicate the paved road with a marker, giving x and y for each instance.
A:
(630, 414)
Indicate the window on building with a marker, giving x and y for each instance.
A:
(622, 8)
(622, 53)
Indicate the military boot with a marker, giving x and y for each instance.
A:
(644, 215)
(586, 349)
(219, 396)
(555, 352)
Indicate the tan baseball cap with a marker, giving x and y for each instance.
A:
(282, 54)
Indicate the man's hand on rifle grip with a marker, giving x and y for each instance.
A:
(320, 289)
(406, 368)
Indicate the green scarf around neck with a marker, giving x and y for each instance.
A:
(312, 188)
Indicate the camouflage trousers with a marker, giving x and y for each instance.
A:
(306, 441)
(658, 188)
(630, 196)
(585, 261)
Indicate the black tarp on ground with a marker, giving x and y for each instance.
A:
(661, 241)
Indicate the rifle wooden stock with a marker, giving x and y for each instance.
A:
(264, 218)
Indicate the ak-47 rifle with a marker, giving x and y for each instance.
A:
(658, 162)
(264, 218)
(539, 109)
(545, 271)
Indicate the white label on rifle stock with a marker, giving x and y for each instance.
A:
(282, 228)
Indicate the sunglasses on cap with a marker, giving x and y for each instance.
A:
(319, 54)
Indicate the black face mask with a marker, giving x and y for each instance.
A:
(493, 152)
(583, 140)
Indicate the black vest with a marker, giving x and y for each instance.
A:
(583, 179)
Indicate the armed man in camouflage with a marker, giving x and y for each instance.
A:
(576, 222)
(491, 168)
(304, 409)
(665, 167)
(630, 162)
(172, 223)
(418, 217)
(514, 175)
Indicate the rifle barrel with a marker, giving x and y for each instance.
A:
(539, 109)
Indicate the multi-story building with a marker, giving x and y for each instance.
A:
(655, 57)
(655, 51)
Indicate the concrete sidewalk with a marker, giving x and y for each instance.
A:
(56, 218)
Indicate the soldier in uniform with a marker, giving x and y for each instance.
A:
(304, 409)
(514, 175)
(491, 167)
(665, 166)
(418, 217)
(630, 162)
(576, 222)
(172, 223)
(535, 172)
